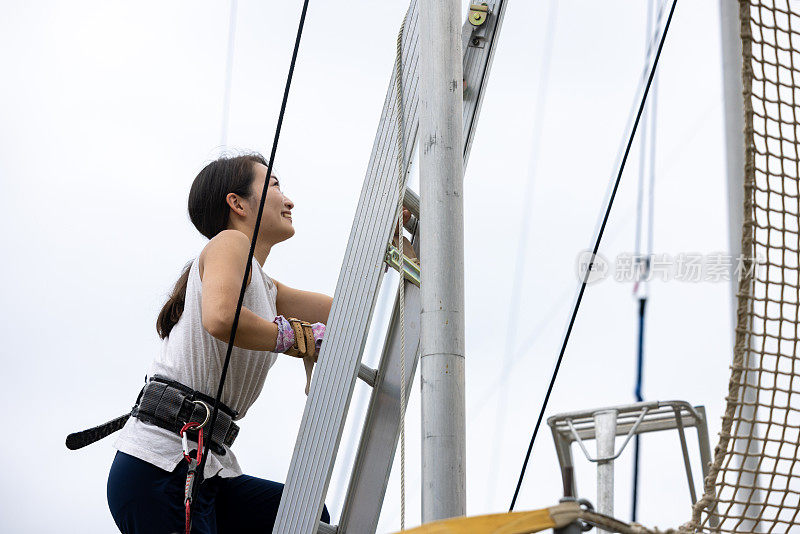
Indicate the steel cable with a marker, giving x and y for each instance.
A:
(591, 260)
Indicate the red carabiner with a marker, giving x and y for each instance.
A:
(193, 465)
(184, 440)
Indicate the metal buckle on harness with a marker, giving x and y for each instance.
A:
(193, 426)
(208, 413)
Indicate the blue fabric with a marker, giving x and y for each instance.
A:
(144, 498)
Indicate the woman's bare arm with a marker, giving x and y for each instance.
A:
(222, 263)
(306, 305)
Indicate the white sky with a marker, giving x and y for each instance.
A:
(108, 110)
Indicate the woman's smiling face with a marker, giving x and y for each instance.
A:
(276, 220)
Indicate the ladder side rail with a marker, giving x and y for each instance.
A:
(373, 463)
(356, 290)
(331, 387)
(360, 290)
(386, 165)
(383, 165)
(360, 293)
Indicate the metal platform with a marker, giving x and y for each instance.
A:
(604, 424)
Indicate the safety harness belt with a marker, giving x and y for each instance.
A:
(170, 405)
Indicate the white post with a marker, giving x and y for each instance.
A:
(734, 145)
(734, 127)
(442, 259)
(605, 431)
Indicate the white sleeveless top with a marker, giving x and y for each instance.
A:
(193, 357)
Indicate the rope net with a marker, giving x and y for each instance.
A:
(754, 482)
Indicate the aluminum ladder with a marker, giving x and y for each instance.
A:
(354, 299)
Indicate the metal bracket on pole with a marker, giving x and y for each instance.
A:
(478, 14)
(410, 268)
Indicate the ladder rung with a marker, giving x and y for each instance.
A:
(325, 528)
(411, 202)
(367, 374)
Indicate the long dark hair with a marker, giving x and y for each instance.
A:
(208, 211)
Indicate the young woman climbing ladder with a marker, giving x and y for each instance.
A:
(148, 475)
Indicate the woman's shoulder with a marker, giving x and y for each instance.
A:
(229, 244)
(228, 241)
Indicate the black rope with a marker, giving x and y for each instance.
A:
(591, 260)
(252, 246)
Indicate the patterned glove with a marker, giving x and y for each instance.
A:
(298, 338)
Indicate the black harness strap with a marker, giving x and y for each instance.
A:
(170, 405)
(78, 440)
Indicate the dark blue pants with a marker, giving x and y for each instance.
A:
(146, 499)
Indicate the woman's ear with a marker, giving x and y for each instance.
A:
(235, 203)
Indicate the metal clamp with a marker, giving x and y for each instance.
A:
(410, 269)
